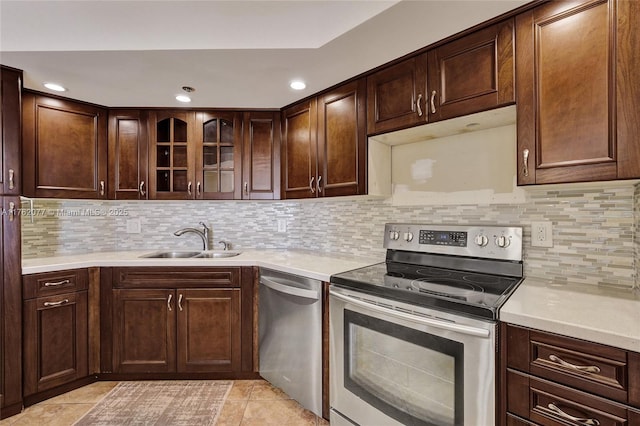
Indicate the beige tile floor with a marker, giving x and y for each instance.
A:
(250, 403)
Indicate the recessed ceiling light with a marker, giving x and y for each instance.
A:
(55, 86)
(183, 98)
(298, 85)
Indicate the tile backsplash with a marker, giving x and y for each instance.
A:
(594, 229)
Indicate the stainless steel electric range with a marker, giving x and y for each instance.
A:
(413, 339)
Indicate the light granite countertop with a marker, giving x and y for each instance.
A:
(309, 264)
(600, 314)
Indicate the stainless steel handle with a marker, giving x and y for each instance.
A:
(311, 187)
(433, 102)
(583, 368)
(578, 420)
(12, 211)
(101, 187)
(57, 283)
(180, 302)
(418, 105)
(246, 188)
(458, 328)
(142, 188)
(61, 302)
(287, 289)
(169, 302)
(189, 188)
(525, 162)
(318, 185)
(11, 179)
(198, 187)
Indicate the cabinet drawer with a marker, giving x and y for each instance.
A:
(52, 283)
(171, 277)
(595, 368)
(547, 403)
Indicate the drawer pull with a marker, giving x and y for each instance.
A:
(61, 302)
(583, 368)
(180, 302)
(57, 283)
(169, 302)
(577, 420)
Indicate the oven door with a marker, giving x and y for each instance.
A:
(397, 364)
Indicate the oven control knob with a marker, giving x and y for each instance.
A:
(394, 235)
(408, 237)
(503, 242)
(481, 240)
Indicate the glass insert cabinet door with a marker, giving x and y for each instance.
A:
(172, 136)
(218, 157)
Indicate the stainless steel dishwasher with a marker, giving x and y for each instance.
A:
(290, 336)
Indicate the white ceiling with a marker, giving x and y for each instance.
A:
(235, 53)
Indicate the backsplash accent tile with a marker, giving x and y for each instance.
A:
(594, 230)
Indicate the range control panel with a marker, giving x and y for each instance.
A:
(491, 242)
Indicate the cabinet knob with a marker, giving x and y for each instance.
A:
(12, 211)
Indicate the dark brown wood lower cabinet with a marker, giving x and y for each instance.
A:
(184, 330)
(55, 341)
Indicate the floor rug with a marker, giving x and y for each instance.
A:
(179, 402)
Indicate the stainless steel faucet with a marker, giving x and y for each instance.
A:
(204, 234)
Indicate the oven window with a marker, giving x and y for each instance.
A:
(414, 377)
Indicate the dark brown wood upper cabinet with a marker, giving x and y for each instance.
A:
(171, 155)
(10, 125)
(299, 150)
(396, 96)
(472, 73)
(218, 148)
(261, 155)
(324, 144)
(128, 155)
(64, 148)
(342, 141)
(578, 79)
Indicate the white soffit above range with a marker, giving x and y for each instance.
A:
(237, 54)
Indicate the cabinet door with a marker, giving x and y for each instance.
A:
(128, 155)
(261, 156)
(472, 74)
(172, 159)
(299, 150)
(10, 122)
(209, 333)
(218, 155)
(396, 96)
(55, 341)
(144, 331)
(566, 96)
(64, 148)
(342, 141)
(10, 309)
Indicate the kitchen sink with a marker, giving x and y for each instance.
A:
(191, 254)
(172, 254)
(217, 254)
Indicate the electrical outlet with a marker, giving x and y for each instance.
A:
(282, 225)
(133, 226)
(542, 234)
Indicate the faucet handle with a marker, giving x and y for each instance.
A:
(225, 244)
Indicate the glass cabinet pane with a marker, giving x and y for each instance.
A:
(163, 182)
(226, 157)
(163, 156)
(164, 130)
(210, 181)
(210, 156)
(226, 131)
(210, 131)
(226, 181)
(179, 130)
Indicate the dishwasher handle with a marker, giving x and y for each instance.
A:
(287, 289)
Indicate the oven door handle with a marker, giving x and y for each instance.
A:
(458, 328)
